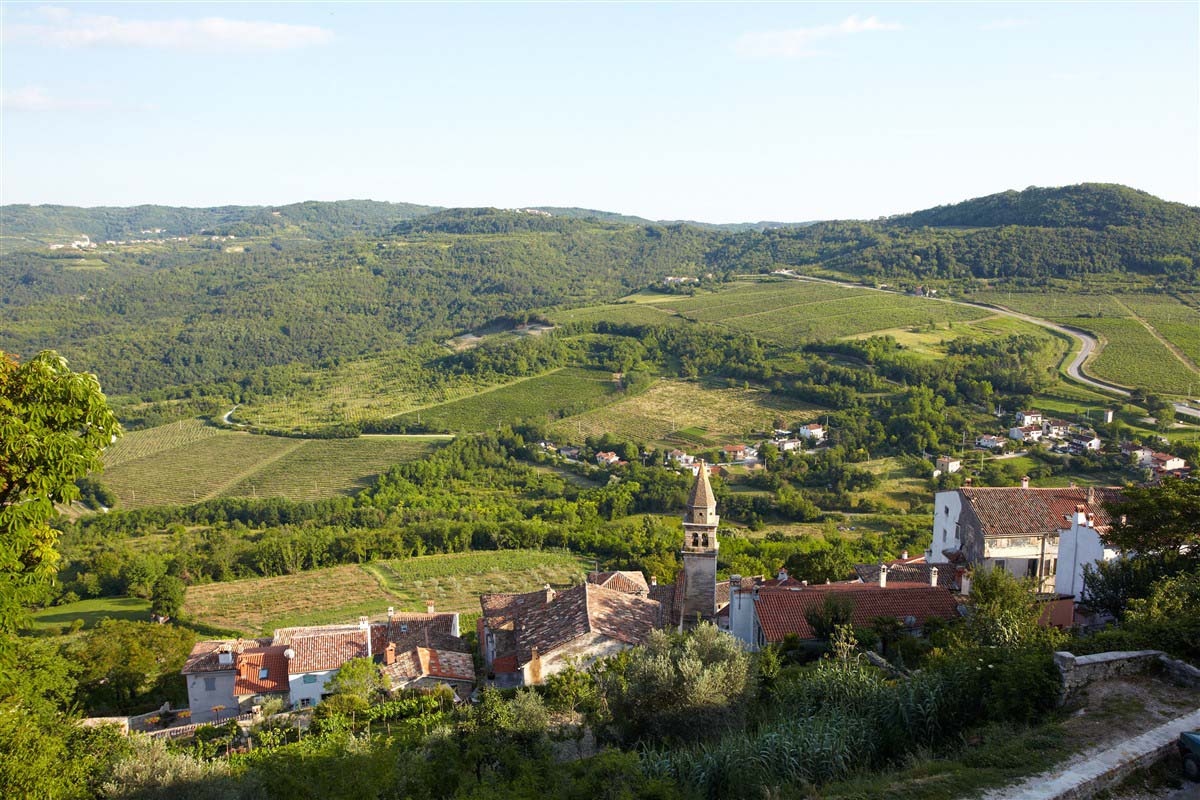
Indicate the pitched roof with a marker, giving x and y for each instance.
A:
(205, 655)
(580, 610)
(701, 495)
(250, 664)
(629, 582)
(324, 647)
(782, 611)
(429, 662)
(912, 572)
(1011, 511)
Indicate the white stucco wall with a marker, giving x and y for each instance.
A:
(300, 690)
(201, 700)
(741, 618)
(946, 509)
(1078, 547)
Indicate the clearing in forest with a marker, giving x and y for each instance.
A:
(686, 414)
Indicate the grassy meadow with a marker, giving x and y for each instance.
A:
(133, 609)
(686, 413)
(341, 594)
(189, 461)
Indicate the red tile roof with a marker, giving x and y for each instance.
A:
(1009, 511)
(204, 655)
(250, 664)
(782, 611)
(628, 582)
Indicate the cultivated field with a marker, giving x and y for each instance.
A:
(341, 594)
(556, 394)
(188, 461)
(686, 413)
(798, 311)
(92, 612)
(645, 313)
(454, 582)
(1132, 354)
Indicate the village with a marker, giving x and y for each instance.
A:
(1046, 535)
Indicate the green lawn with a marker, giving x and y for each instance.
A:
(91, 612)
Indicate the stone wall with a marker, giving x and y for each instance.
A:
(1078, 671)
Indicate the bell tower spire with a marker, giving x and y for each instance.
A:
(699, 577)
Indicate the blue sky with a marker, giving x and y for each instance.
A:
(713, 112)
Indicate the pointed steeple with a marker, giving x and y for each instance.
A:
(701, 497)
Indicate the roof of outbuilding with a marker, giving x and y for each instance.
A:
(204, 655)
(250, 664)
(782, 611)
(1010, 511)
(583, 609)
(629, 582)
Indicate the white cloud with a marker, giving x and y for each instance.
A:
(63, 28)
(798, 42)
(1004, 24)
(35, 98)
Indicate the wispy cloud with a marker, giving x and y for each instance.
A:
(35, 98)
(61, 27)
(798, 42)
(1005, 24)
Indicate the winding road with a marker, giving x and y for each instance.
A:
(1087, 343)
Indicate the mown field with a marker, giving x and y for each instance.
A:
(1131, 355)
(341, 594)
(91, 612)
(188, 461)
(556, 394)
(686, 413)
(795, 311)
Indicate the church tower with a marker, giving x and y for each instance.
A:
(699, 577)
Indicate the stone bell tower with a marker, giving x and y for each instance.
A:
(699, 578)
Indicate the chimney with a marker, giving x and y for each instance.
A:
(1025, 482)
(1072, 485)
(653, 580)
(389, 654)
(967, 481)
(429, 607)
(1080, 514)
(1091, 495)
(391, 613)
(933, 573)
(965, 583)
(550, 594)
(883, 571)
(782, 574)
(904, 555)
(364, 625)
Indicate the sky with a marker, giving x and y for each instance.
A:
(713, 112)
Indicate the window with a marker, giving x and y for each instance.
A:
(305, 702)
(310, 679)
(210, 684)
(1031, 568)
(947, 510)
(262, 674)
(1000, 564)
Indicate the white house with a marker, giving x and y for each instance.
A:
(949, 464)
(814, 431)
(786, 445)
(1025, 433)
(1029, 418)
(989, 442)
(1165, 462)
(1079, 545)
(1085, 440)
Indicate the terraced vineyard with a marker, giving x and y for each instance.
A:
(676, 413)
(797, 311)
(188, 461)
(341, 594)
(1131, 356)
(556, 394)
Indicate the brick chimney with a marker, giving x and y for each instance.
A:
(967, 481)
(1025, 482)
(883, 571)
(933, 573)
(389, 654)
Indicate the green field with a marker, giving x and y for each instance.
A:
(1131, 355)
(341, 594)
(556, 394)
(91, 612)
(796, 311)
(686, 414)
(188, 461)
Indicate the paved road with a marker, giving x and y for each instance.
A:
(1087, 342)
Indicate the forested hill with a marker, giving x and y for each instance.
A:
(319, 220)
(1087, 205)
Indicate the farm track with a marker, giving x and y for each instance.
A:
(1087, 343)
(258, 467)
(1179, 354)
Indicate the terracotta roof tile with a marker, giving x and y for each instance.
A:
(628, 582)
(250, 664)
(782, 611)
(205, 655)
(1009, 511)
(900, 572)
